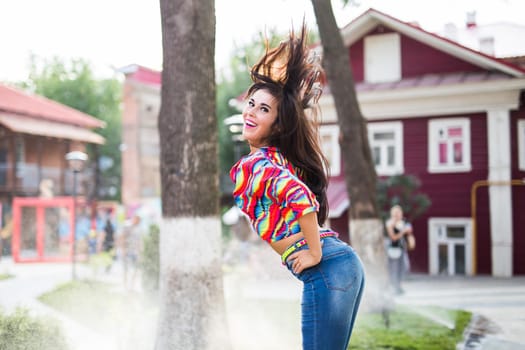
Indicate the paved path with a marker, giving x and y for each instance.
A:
(500, 300)
(33, 280)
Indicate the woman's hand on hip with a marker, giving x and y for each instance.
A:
(303, 259)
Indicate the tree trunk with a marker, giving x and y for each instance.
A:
(192, 307)
(366, 229)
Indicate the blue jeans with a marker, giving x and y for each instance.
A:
(332, 292)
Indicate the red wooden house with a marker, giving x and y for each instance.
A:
(450, 115)
(455, 118)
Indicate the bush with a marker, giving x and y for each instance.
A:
(150, 264)
(20, 331)
(4, 276)
(403, 190)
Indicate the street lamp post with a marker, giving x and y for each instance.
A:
(76, 160)
(235, 124)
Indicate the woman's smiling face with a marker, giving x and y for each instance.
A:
(259, 114)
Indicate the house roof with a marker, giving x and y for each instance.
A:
(372, 18)
(142, 74)
(36, 115)
(434, 80)
(337, 197)
(18, 102)
(42, 127)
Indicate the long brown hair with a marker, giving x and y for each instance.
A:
(292, 74)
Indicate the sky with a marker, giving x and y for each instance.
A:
(114, 33)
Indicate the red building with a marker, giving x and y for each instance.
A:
(454, 117)
(140, 136)
(35, 135)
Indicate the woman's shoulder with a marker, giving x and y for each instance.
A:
(251, 163)
(254, 160)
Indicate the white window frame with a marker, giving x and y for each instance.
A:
(397, 129)
(434, 224)
(433, 150)
(334, 156)
(521, 144)
(382, 55)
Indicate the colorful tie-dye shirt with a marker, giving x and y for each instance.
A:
(269, 191)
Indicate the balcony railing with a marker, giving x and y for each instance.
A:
(29, 177)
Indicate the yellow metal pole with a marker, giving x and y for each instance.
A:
(473, 205)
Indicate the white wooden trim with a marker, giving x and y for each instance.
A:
(500, 197)
(397, 129)
(335, 149)
(433, 165)
(434, 240)
(382, 56)
(431, 101)
(521, 144)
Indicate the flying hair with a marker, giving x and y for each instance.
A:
(293, 74)
(292, 67)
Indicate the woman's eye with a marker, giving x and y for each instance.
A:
(264, 109)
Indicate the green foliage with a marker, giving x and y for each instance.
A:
(21, 331)
(74, 84)
(101, 261)
(150, 261)
(4, 276)
(401, 190)
(409, 331)
(71, 298)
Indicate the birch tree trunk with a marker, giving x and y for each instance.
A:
(366, 228)
(192, 308)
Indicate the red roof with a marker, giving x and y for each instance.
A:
(16, 101)
(337, 197)
(142, 74)
(431, 80)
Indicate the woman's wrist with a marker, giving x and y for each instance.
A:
(317, 256)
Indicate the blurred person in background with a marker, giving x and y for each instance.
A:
(131, 250)
(397, 229)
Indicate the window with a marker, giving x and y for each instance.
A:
(330, 147)
(20, 156)
(450, 246)
(386, 145)
(382, 58)
(449, 145)
(521, 144)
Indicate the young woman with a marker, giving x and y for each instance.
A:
(398, 229)
(281, 186)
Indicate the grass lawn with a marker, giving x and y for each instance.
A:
(102, 307)
(4, 276)
(128, 316)
(411, 329)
